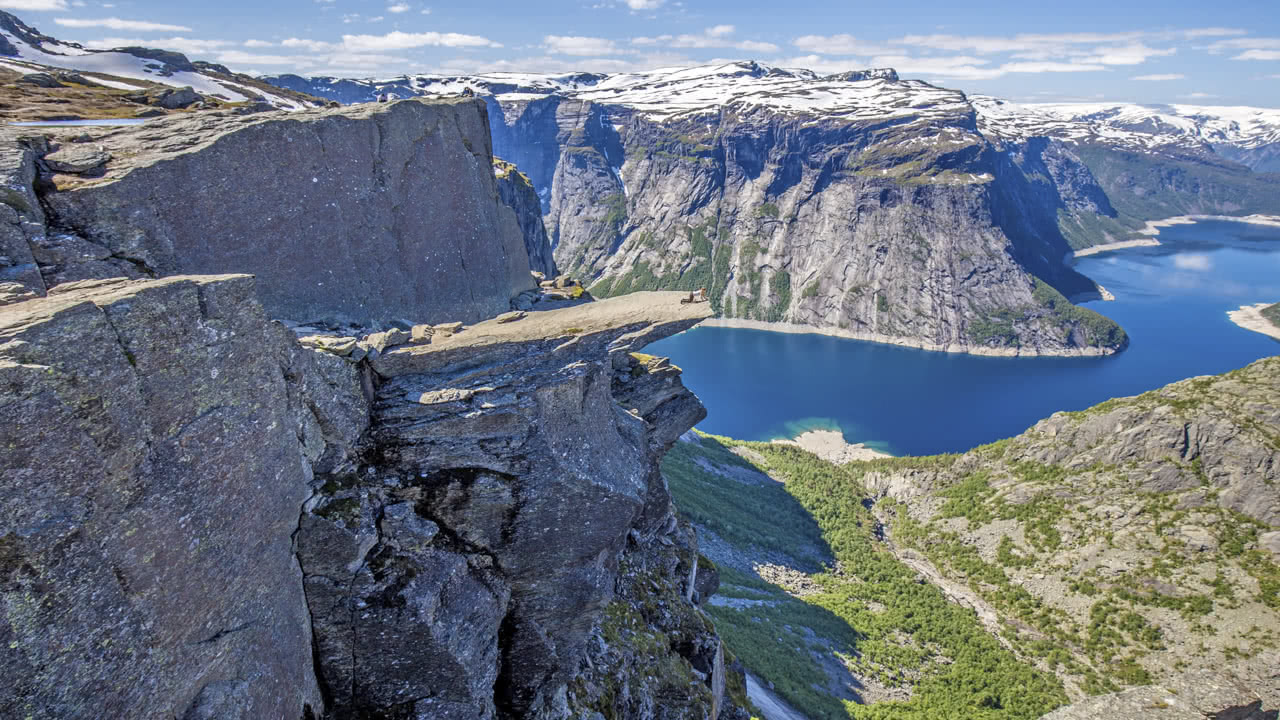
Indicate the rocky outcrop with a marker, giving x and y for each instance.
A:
(401, 198)
(517, 192)
(1203, 695)
(249, 527)
(467, 511)
(150, 483)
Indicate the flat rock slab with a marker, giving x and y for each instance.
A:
(627, 322)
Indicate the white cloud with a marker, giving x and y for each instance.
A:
(843, 44)
(1198, 95)
(645, 4)
(401, 41)
(1258, 55)
(1165, 77)
(577, 45)
(718, 36)
(33, 5)
(1131, 54)
(1244, 43)
(312, 45)
(398, 8)
(258, 44)
(113, 23)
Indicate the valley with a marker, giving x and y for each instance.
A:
(393, 399)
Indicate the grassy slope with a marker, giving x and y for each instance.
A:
(894, 630)
(1273, 314)
(1087, 569)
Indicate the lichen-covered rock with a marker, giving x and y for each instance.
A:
(384, 212)
(150, 485)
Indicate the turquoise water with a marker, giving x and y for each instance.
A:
(1171, 299)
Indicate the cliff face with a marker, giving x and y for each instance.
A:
(386, 212)
(517, 192)
(914, 229)
(433, 531)
(151, 480)
(207, 513)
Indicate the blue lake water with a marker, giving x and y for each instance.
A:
(1172, 300)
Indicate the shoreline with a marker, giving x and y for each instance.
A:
(795, 329)
(1147, 235)
(1153, 226)
(1119, 245)
(1250, 317)
(831, 446)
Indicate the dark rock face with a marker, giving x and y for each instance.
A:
(469, 513)
(517, 192)
(151, 484)
(21, 224)
(401, 197)
(172, 61)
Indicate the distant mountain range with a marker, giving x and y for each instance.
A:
(862, 203)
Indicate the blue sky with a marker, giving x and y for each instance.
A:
(1213, 53)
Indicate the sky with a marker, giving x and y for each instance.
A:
(1173, 51)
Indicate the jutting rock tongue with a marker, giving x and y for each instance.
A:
(363, 214)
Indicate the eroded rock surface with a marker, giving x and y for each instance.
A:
(385, 212)
(150, 483)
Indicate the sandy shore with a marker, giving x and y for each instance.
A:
(1145, 242)
(900, 342)
(1250, 317)
(1153, 227)
(830, 446)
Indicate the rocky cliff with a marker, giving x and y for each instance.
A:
(863, 204)
(385, 212)
(208, 513)
(203, 518)
(517, 192)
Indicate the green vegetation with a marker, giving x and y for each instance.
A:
(995, 329)
(1098, 329)
(1272, 313)
(768, 210)
(882, 303)
(872, 610)
(1178, 186)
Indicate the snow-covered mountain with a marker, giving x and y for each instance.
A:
(25, 50)
(1246, 134)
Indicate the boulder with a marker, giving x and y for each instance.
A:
(77, 159)
(178, 99)
(40, 79)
